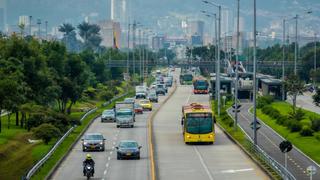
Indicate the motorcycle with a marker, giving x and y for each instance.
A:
(88, 171)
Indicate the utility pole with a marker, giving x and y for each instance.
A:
(134, 47)
(283, 57)
(296, 46)
(140, 53)
(30, 25)
(46, 23)
(218, 76)
(254, 71)
(128, 54)
(315, 58)
(39, 28)
(237, 71)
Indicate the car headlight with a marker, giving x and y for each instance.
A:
(85, 143)
(101, 143)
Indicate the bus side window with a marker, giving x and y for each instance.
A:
(182, 120)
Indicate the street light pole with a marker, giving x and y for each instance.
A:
(237, 71)
(30, 25)
(254, 71)
(128, 55)
(315, 58)
(46, 23)
(296, 46)
(283, 57)
(218, 77)
(134, 47)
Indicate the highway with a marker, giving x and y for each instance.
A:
(176, 160)
(269, 141)
(107, 166)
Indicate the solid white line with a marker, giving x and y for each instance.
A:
(203, 163)
(237, 170)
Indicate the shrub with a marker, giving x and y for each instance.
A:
(306, 131)
(46, 132)
(315, 124)
(298, 115)
(264, 101)
(107, 95)
(270, 111)
(282, 120)
(317, 137)
(294, 125)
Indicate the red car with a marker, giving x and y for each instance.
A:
(138, 109)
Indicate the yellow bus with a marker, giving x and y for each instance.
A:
(198, 124)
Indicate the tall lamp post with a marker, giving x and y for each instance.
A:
(218, 60)
(237, 70)
(254, 71)
(315, 58)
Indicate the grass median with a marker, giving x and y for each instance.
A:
(67, 143)
(239, 137)
(307, 144)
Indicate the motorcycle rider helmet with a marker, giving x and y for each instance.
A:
(88, 156)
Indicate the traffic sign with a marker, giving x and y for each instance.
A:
(258, 125)
(285, 146)
(311, 170)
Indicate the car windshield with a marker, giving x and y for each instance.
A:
(93, 137)
(109, 112)
(201, 83)
(160, 86)
(144, 102)
(187, 77)
(129, 100)
(124, 113)
(199, 123)
(128, 145)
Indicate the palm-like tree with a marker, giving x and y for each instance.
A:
(22, 27)
(84, 30)
(66, 28)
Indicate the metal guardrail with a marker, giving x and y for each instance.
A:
(41, 162)
(262, 155)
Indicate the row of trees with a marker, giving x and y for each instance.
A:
(41, 81)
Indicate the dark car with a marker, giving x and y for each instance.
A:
(93, 142)
(160, 89)
(128, 149)
(153, 97)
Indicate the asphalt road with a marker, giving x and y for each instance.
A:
(305, 101)
(269, 141)
(175, 160)
(107, 166)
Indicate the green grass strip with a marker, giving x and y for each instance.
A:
(67, 143)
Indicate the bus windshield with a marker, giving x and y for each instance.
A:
(187, 77)
(199, 123)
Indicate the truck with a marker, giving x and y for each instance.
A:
(141, 92)
(124, 114)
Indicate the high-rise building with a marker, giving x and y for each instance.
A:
(225, 22)
(110, 33)
(158, 42)
(25, 20)
(3, 15)
(196, 40)
(119, 11)
(196, 28)
(241, 24)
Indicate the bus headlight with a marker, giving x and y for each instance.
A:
(188, 136)
(210, 136)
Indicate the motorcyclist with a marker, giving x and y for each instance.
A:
(90, 161)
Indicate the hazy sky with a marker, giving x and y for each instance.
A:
(270, 12)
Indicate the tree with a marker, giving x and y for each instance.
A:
(90, 33)
(69, 37)
(294, 87)
(316, 98)
(46, 132)
(22, 27)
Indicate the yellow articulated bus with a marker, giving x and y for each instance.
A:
(198, 124)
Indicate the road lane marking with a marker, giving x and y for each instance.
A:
(109, 158)
(237, 170)
(203, 163)
(105, 172)
(259, 132)
(111, 152)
